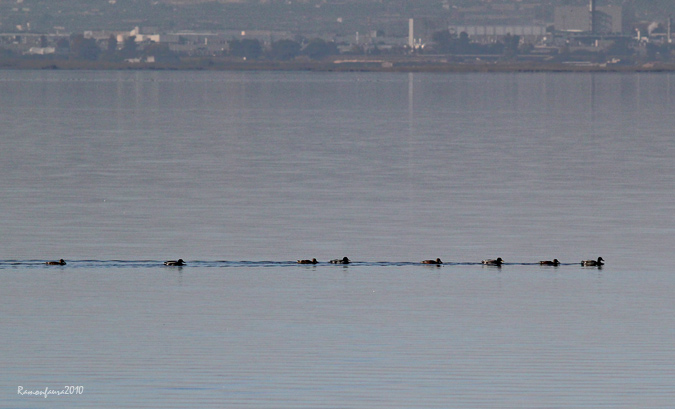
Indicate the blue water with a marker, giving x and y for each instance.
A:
(242, 174)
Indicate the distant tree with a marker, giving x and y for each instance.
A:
(564, 54)
(63, 45)
(84, 48)
(493, 49)
(318, 49)
(375, 50)
(526, 48)
(112, 44)
(129, 47)
(161, 52)
(247, 48)
(511, 43)
(284, 50)
(444, 41)
(463, 43)
(660, 52)
(620, 47)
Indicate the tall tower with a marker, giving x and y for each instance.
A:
(591, 11)
(411, 34)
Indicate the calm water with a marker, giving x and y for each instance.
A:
(241, 174)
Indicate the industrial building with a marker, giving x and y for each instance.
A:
(589, 19)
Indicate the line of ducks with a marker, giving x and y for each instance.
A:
(498, 262)
(489, 262)
(178, 262)
(345, 260)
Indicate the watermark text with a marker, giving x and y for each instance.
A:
(66, 390)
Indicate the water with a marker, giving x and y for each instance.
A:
(241, 174)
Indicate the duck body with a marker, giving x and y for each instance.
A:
(61, 262)
(555, 262)
(437, 261)
(312, 261)
(493, 262)
(178, 262)
(343, 260)
(593, 263)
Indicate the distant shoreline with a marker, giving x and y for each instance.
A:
(342, 65)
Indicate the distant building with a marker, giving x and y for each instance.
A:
(41, 50)
(608, 19)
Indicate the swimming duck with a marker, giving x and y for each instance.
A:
(61, 262)
(178, 262)
(437, 261)
(312, 261)
(593, 263)
(555, 262)
(496, 262)
(344, 260)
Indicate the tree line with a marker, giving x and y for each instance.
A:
(78, 47)
(283, 50)
(445, 42)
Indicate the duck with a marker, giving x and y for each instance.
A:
(496, 262)
(555, 262)
(437, 261)
(178, 262)
(61, 262)
(593, 263)
(312, 261)
(344, 260)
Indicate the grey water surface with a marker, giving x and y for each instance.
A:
(241, 174)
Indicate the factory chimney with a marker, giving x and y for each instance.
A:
(591, 10)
